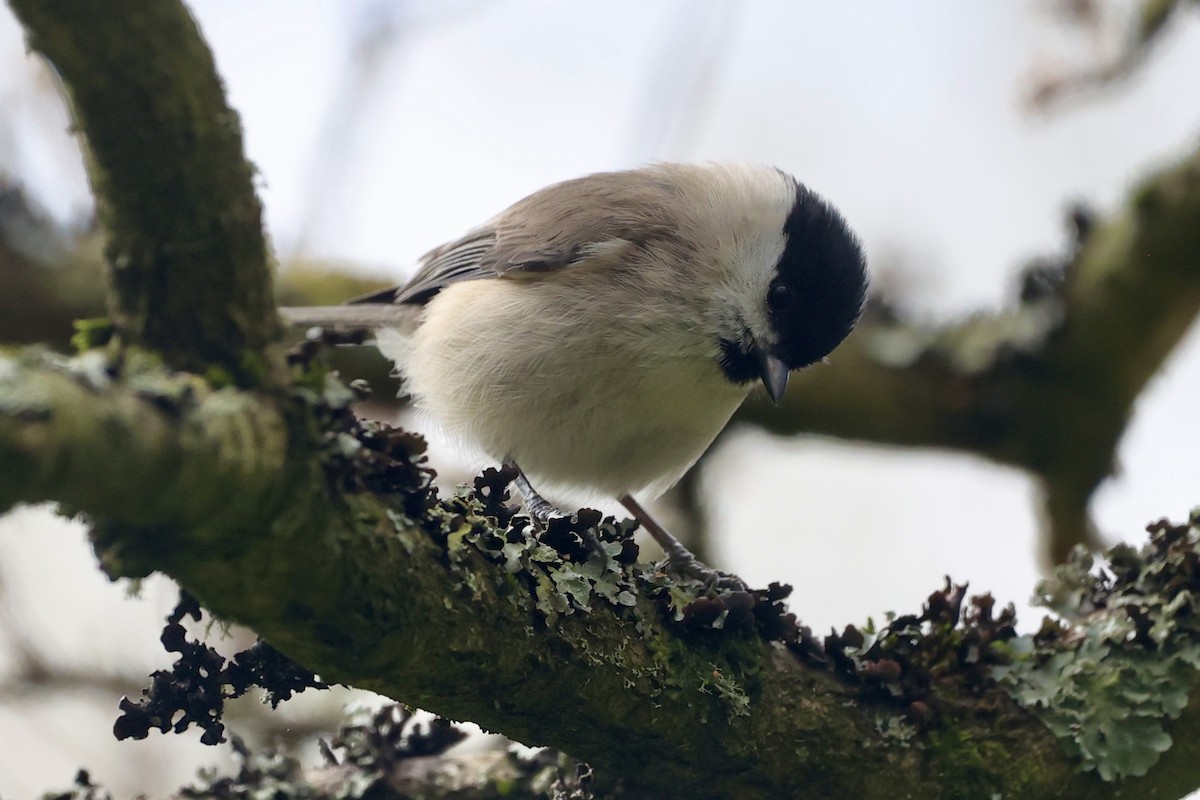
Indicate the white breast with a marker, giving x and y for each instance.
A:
(602, 413)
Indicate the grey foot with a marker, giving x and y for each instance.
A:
(686, 565)
(541, 510)
(680, 561)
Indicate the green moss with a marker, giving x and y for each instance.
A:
(91, 333)
(1152, 16)
(219, 377)
(967, 764)
(253, 369)
(896, 729)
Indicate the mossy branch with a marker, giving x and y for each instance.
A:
(449, 612)
(189, 268)
(149, 448)
(209, 487)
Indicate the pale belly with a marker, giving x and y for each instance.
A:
(575, 412)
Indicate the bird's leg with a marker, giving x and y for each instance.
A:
(680, 560)
(539, 508)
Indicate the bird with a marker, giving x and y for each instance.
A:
(599, 334)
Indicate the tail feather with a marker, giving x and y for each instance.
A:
(356, 316)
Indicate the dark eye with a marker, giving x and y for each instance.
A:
(779, 298)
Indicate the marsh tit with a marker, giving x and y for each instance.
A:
(601, 332)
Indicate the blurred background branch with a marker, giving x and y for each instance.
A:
(1123, 36)
(50, 275)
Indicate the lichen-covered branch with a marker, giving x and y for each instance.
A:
(1119, 658)
(147, 448)
(1047, 386)
(189, 267)
(437, 606)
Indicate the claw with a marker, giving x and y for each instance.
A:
(541, 510)
(685, 565)
(680, 561)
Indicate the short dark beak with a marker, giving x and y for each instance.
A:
(774, 375)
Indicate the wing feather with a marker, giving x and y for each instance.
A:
(550, 230)
(459, 260)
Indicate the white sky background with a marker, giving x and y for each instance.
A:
(907, 116)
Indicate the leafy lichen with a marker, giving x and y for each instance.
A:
(1120, 659)
(562, 581)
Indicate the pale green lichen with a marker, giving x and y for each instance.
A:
(895, 728)
(560, 587)
(404, 531)
(1108, 681)
(722, 685)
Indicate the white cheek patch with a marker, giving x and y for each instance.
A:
(748, 286)
(754, 207)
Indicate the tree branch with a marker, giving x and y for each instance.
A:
(133, 444)
(189, 273)
(543, 649)
(1150, 20)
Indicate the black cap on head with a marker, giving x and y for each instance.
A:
(820, 287)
